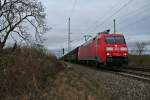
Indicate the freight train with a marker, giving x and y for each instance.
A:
(105, 49)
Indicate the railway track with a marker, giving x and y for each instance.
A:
(136, 73)
(121, 85)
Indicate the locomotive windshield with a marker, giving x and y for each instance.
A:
(115, 39)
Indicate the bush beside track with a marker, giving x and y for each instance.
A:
(30, 73)
(142, 60)
(27, 73)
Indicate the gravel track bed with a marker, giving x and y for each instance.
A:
(119, 87)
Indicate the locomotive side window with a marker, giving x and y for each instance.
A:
(115, 39)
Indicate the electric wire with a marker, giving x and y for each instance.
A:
(109, 10)
(138, 12)
(135, 22)
(131, 15)
(71, 13)
(135, 10)
(116, 12)
(73, 8)
(81, 39)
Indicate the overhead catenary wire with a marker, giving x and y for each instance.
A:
(73, 8)
(69, 25)
(77, 40)
(116, 12)
(132, 15)
(129, 25)
(125, 5)
(54, 26)
(135, 13)
(109, 10)
(81, 39)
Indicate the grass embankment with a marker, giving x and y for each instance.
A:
(71, 84)
(32, 74)
(27, 73)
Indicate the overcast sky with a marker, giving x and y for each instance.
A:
(92, 16)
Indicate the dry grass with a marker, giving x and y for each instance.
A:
(30, 73)
(26, 73)
(139, 60)
(77, 86)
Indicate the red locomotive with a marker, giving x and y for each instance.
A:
(105, 48)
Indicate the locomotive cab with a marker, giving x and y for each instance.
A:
(105, 48)
(116, 50)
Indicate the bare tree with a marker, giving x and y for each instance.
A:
(140, 47)
(17, 15)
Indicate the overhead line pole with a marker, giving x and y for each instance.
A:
(69, 44)
(114, 26)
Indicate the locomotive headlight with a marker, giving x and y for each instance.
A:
(125, 54)
(123, 48)
(109, 48)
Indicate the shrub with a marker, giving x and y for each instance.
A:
(26, 72)
(140, 60)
